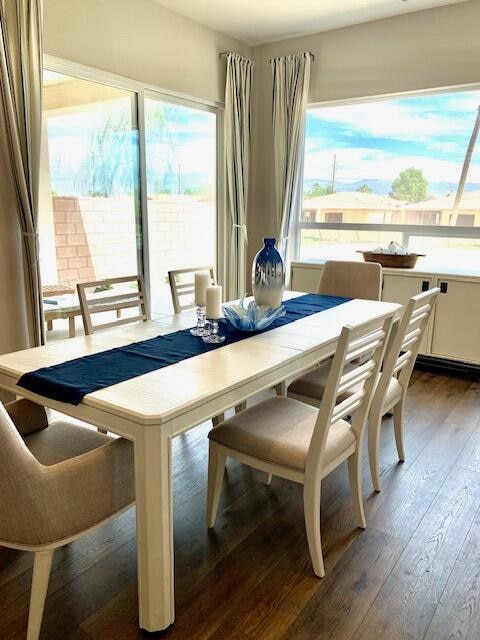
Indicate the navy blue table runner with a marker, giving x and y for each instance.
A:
(72, 380)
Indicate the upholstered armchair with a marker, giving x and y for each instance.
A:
(50, 479)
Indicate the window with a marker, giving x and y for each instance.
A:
(465, 220)
(181, 187)
(392, 167)
(422, 217)
(333, 217)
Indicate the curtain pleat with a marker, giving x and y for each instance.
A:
(291, 79)
(238, 88)
(20, 135)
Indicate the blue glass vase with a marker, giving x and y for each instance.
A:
(268, 275)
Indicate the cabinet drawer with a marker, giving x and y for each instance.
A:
(456, 332)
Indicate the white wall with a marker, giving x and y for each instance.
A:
(142, 40)
(423, 50)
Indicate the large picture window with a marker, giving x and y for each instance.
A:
(390, 170)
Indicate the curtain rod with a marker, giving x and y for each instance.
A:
(225, 53)
(313, 57)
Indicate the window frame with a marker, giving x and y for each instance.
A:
(407, 230)
(142, 91)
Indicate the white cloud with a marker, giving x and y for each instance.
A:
(401, 118)
(195, 156)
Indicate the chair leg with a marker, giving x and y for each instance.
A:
(71, 327)
(311, 509)
(355, 477)
(240, 407)
(374, 428)
(41, 573)
(216, 469)
(268, 479)
(281, 389)
(216, 420)
(398, 425)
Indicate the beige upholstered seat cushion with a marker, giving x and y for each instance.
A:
(279, 430)
(63, 440)
(312, 385)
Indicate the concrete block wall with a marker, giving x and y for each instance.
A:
(95, 238)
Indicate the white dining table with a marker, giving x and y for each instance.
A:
(153, 408)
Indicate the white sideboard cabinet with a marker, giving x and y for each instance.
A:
(454, 328)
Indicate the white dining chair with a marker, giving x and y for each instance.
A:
(392, 383)
(50, 476)
(391, 389)
(293, 440)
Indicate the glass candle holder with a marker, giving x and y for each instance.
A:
(213, 337)
(201, 328)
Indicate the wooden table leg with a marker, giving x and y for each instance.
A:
(71, 326)
(153, 490)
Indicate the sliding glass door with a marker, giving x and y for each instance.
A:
(128, 185)
(181, 160)
(89, 194)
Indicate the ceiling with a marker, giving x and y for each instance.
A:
(257, 22)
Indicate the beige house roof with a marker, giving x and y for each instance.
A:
(469, 201)
(345, 200)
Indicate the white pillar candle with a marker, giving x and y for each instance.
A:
(214, 302)
(202, 281)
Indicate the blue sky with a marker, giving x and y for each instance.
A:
(376, 140)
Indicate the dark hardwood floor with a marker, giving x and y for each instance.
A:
(414, 573)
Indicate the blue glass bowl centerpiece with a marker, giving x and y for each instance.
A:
(268, 275)
(251, 317)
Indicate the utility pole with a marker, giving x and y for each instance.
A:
(466, 166)
(333, 175)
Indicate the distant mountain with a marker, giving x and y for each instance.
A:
(382, 187)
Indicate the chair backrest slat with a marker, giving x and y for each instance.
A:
(116, 302)
(411, 338)
(353, 378)
(365, 347)
(92, 303)
(347, 407)
(181, 289)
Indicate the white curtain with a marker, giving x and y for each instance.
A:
(291, 79)
(20, 135)
(237, 157)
